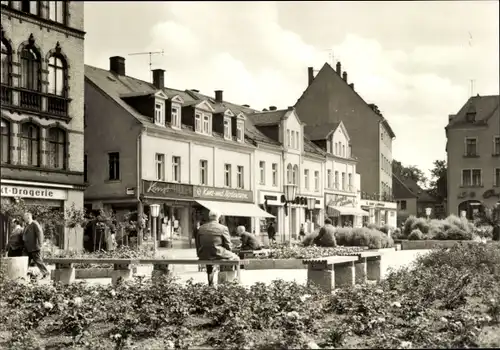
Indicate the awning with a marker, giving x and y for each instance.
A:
(338, 211)
(235, 209)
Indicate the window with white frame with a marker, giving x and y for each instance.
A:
(240, 134)
(471, 177)
(160, 166)
(336, 148)
(289, 171)
(203, 172)
(316, 181)
(227, 128)
(197, 122)
(240, 177)
(57, 10)
(329, 178)
(295, 175)
(306, 179)
(227, 175)
(343, 151)
(298, 141)
(275, 174)
(289, 138)
(293, 139)
(176, 117)
(349, 181)
(470, 146)
(160, 112)
(262, 172)
(343, 181)
(176, 169)
(336, 184)
(496, 178)
(496, 145)
(206, 124)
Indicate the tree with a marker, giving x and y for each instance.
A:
(438, 183)
(409, 172)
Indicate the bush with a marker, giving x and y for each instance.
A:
(451, 228)
(353, 237)
(416, 235)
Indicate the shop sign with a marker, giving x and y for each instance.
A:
(33, 192)
(226, 194)
(375, 204)
(166, 189)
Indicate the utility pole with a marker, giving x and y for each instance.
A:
(150, 53)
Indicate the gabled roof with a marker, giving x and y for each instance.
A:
(327, 69)
(484, 108)
(411, 186)
(310, 147)
(320, 132)
(399, 189)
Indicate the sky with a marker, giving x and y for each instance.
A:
(415, 60)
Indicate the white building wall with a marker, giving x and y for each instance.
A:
(269, 158)
(201, 152)
(234, 158)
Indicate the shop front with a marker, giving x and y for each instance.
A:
(380, 213)
(54, 197)
(344, 210)
(174, 222)
(272, 203)
(235, 205)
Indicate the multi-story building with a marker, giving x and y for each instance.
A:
(473, 153)
(329, 98)
(342, 192)
(42, 106)
(148, 144)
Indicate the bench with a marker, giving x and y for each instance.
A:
(65, 271)
(331, 272)
(229, 270)
(248, 254)
(368, 266)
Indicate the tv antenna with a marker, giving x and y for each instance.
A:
(472, 81)
(330, 56)
(150, 53)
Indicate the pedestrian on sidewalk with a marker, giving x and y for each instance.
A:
(33, 242)
(16, 244)
(271, 233)
(302, 232)
(214, 243)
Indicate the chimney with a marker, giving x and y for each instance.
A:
(272, 108)
(310, 75)
(339, 68)
(351, 85)
(344, 76)
(218, 96)
(159, 78)
(117, 65)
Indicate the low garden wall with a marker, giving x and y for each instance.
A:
(431, 244)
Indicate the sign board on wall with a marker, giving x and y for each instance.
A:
(227, 194)
(166, 189)
(33, 192)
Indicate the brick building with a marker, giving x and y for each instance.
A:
(473, 156)
(42, 105)
(330, 98)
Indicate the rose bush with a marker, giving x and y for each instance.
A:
(447, 299)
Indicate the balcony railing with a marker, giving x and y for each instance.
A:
(57, 105)
(383, 197)
(30, 100)
(6, 95)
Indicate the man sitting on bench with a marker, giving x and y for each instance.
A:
(248, 241)
(214, 243)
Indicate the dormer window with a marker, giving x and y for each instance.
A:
(470, 116)
(176, 117)
(240, 133)
(227, 128)
(197, 122)
(206, 124)
(159, 112)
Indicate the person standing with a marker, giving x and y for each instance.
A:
(271, 232)
(33, 242)
(16, 244)
(214, 243)
(302, 232)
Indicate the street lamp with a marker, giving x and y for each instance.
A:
(428, 212)
(155, 211)
(290, 192)
(311, 204)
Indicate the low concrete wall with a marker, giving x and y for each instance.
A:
(430, 244)
(274, 264)
(93, 273)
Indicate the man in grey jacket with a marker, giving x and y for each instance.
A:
(327, 233)
(214, 243)
(33, 242)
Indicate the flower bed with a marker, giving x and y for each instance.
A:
(123, 252)
(455, 304)
(300, 252)
(353, 237)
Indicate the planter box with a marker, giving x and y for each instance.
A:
(95, 273)
(430, 244)
(275, 264)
